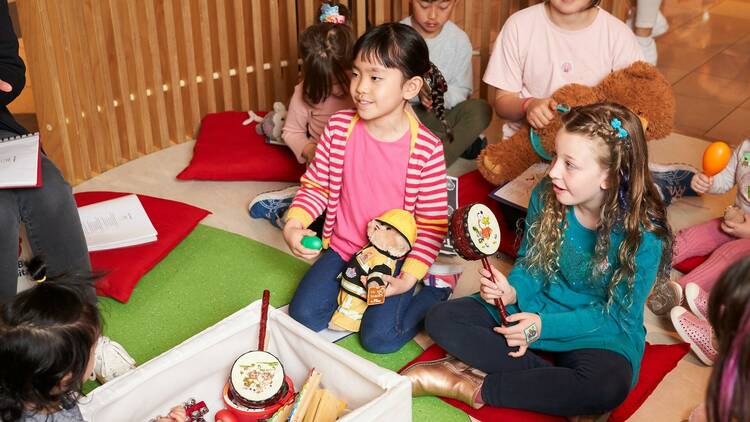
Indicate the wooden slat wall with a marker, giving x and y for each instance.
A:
(116, 79)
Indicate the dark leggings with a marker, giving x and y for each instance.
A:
(53, 228)
(579, 382)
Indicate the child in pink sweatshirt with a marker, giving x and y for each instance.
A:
(326, 51)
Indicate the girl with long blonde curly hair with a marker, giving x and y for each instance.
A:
(596, 243)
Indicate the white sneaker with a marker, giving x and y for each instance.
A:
(648, 46)
(660, 27)
(111, 360)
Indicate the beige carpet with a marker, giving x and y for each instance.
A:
(154, 175)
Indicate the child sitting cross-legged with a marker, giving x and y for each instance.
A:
(370, 160)
(596, 241)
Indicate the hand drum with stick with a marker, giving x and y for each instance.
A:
(475, 233)
(257, 385)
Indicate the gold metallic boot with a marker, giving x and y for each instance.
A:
(446, 377)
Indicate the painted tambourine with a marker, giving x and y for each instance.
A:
(475, 233)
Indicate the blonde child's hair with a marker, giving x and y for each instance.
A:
(631, 203)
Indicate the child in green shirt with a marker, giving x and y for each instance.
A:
(596, 241)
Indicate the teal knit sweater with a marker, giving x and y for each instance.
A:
(572, 306)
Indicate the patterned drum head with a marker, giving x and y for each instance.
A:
(257, 376)
(483, 229)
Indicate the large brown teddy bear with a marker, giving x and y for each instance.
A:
(639, 87)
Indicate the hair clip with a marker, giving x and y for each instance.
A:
(617, 125)
(330, 14)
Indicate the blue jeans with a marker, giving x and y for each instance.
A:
(384, 329)
(50, 216)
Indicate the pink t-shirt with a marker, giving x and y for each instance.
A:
(374, 181)
(535, 57)
(305, 123)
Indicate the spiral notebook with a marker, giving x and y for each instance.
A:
(20, 164)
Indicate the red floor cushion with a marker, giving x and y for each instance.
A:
(122, 268)
(227, 150)
(689, 264)
(658, 361)
(472, 187)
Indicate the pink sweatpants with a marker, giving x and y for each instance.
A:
(704, 239)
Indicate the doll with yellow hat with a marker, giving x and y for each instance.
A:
(391, 236)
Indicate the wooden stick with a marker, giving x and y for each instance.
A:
(498, 302)
(263, 319)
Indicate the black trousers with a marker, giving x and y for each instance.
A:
(579, 382)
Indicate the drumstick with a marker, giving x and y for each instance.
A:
(498, 301)
(263, 319)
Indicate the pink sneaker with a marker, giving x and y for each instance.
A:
(697, 300)
(695, 331)
(443, 275)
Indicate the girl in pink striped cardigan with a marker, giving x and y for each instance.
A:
(370, 160)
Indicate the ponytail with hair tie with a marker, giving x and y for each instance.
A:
(330, 14)
(435, 88)
(37, 269)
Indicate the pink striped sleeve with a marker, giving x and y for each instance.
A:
(431, 213)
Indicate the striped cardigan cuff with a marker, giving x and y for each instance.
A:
(298, 213)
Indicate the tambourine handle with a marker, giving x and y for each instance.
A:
(498, 302)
